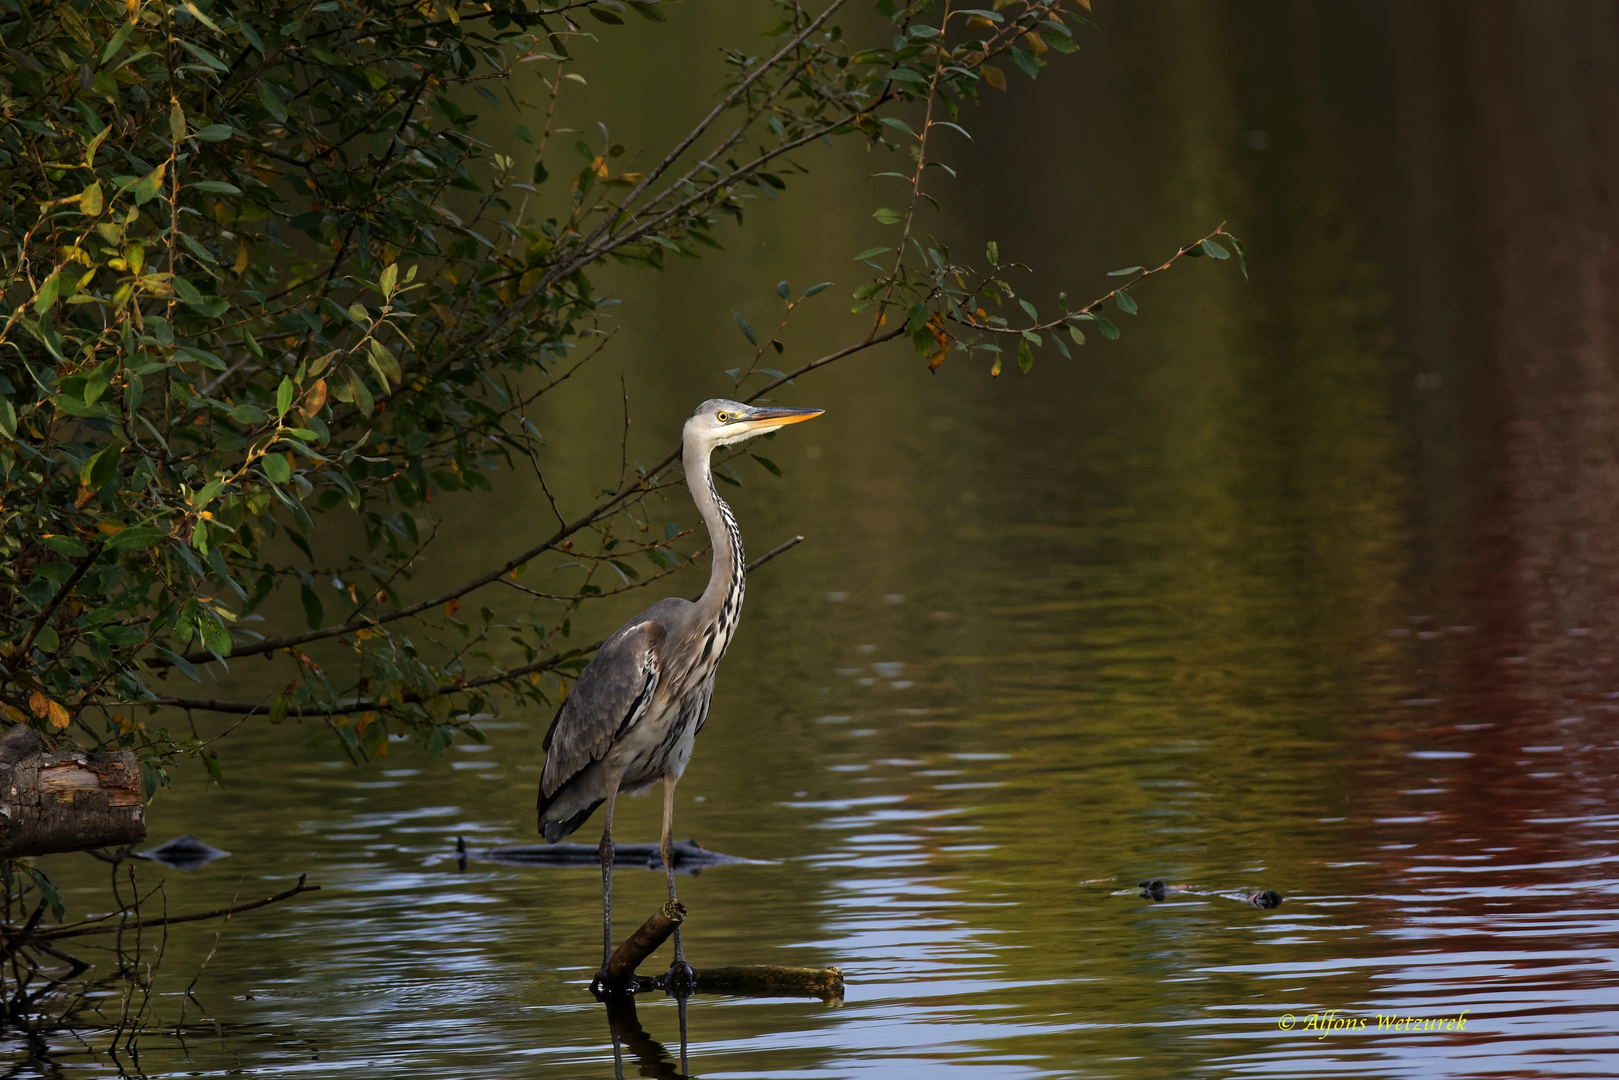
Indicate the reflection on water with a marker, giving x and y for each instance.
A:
(1307, 584)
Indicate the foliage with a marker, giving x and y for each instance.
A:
(262, 267)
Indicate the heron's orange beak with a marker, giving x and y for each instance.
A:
(768, 419)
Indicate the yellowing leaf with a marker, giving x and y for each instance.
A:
(39, 703)
(59, 715)
(994, 76)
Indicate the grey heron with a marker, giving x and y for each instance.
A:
(640, 702)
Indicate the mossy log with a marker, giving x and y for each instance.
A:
(66, 800)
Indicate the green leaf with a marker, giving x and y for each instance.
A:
(770, 466)
(283, 396)
(992, 252)
(272, 102)
(215, 636)
(1126, 272)
(181, 664)
(137, 537)
(214, 187)
(117, 41)
(1074, 332)
(275, 466)
(97, 382)
(813, 289)
(1107, 329)
(1242, 258)
(278, 710)
(46, 640)
(215, 133)
(186, 291)
(1026, 60)
(728, 474)
(65, 545)
(8, 419)
(314, 612)
(1214, 250)
(200, 356)
(783, 289)
(251, 415)
(869, 253)
(747, 331)
(1025, 354)
(48, 292)
(362, 396)
(887, 216)
(100, 468)
(146, 188)
(90, 200)
(1126, 302)
(385, 363)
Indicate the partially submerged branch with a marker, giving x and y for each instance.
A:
(752, 980)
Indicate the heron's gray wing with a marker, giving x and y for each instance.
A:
(613, 690)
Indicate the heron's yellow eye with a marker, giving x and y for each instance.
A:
(722, 416)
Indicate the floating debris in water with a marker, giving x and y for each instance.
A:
(689, 856)
(183, 853)
(1155, 890)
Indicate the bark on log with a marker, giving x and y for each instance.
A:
(66, 800)
(770, 980)
(620, 973)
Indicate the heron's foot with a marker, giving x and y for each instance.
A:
(680, 980)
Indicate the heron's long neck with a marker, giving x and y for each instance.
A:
(722, 599)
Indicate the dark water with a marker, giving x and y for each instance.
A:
(1307, 584)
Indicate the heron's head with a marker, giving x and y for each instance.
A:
(720, 421)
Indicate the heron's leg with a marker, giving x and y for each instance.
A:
(606, 853)
(669, 783)
(681, 977)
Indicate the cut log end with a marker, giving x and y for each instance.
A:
(620, 973)
(66, 800)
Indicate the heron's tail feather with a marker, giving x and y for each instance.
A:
(555, 830)
(570, 805)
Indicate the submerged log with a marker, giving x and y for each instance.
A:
(66, 800)
(688, 856)
(748, 980)
(771, 980)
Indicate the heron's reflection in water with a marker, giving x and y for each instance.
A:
(652, 1059)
